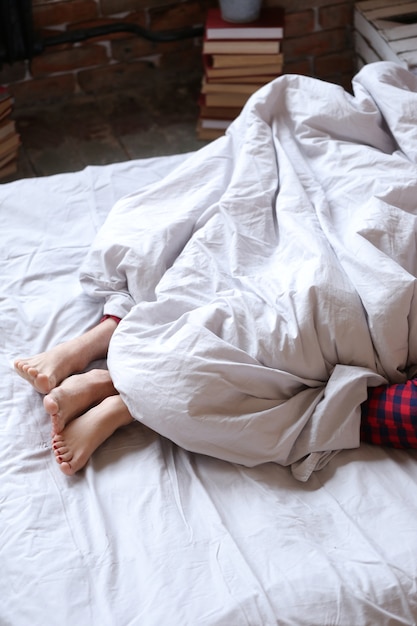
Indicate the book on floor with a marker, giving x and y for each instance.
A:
(12, 154)
(250, 70)
(238, 59)
(208, 122)
(214, 121)
(208, 134)
(225, 99)
(246, 60)
(249, 80)
(242, 46)
(5, 113)
(7, 128)
(211, 87)
(6, 99)
(9, 146)
(223, 113)
(9, 168)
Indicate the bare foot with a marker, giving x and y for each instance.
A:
(48, 369)
(82, 436)
(75, 395)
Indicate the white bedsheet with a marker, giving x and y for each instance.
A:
(150, 534)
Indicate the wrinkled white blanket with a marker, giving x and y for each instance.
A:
(270, 279)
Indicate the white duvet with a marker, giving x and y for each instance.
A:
(267, 281)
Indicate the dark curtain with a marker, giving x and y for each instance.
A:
(16, 30)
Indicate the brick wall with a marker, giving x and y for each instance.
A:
(318, 42)
(319, 38)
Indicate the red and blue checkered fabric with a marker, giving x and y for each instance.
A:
(389, 416)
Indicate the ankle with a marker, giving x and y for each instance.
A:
(97, 340)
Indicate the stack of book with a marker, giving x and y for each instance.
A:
(238, 60)
(9, 138)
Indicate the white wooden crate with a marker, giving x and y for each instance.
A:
(386, 30)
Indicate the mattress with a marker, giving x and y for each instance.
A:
(149, 533)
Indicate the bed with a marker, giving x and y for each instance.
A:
(153, 533)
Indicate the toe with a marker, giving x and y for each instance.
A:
(67, 469)
(50, 405)
(65, 456)
(59, 450)
(42, 382)
(58, 424)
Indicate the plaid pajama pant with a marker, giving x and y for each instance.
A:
(389, 415)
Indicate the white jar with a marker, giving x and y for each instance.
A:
(240, 10)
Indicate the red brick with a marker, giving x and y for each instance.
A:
(315, 44)
(338, 63)
(12, 73)
(37, 2)
(103, 22)
(346, 81)
(177, 16)
(183, 60)
(49, 33)
(115, 76)
(43, 90)
(294, 6)
(317, 31)
(336, 16)
(172, 47)
(132, 48)
(301, 66)
(67, 60)
(135, 48)
(63, 12)
(111, 7)
(299, 24)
